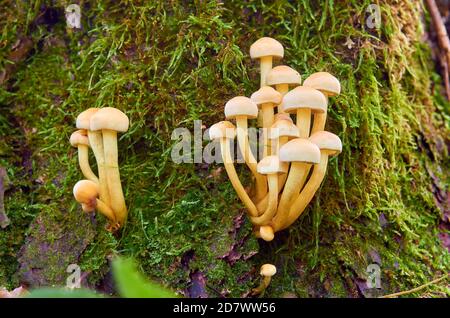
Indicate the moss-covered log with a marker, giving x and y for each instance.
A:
(168, 63)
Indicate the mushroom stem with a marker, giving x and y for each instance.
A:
(267, 115)
(242, 137)
(83, 160)
(262, 204)
(265, 282)
(232, 175)
(304, 121)
(265, 66)
(319, 120)
(105, 210)
(96, 142)
(271, 209)
(306, 195)
(295, 181)
(113, 175)
(282, 178)
(282, 89)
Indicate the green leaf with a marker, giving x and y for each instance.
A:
(63, 293)
(131, 283)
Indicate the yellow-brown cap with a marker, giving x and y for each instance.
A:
(79, 138)
(304, 97)
(86, 191)
(266, 95)
(241, 106)
(109, 118)
(266, 47)
(283, 74)
(283, 128)
(327, 141)
(300, 150)
(222, 129)
(266, 233)
(84, 118)
(272, 165)
(268, 270)
(283, 116)
(324, 82)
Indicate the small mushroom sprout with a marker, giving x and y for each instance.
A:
(296, 148)
(98, 131)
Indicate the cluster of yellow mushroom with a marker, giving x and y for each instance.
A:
(295, 155)
(98, 128)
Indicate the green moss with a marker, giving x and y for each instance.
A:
(167, 65)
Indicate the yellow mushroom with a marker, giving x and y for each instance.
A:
(329, 145)
(266, 271)
(109, 121)
(282, 77)
(242, 108)
(86, 192)
(303, 100)
(301, 153)
(225, 131)
(267, 99)
(266, 49)
(80, 140)
(96, 143)
(329, 86)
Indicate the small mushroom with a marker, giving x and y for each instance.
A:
(282, 77)
(225, 131)
(267, 99)
(266, 271)
(329, 145)
(86, 192)
(109, 121)
(242, 108)
(303, 100)
(272, 167)
(301, 153)
(266, 49)
(80, 140)
(96, 143)
(329, 86)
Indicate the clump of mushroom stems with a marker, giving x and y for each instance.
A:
(99, 133)
(280, 198)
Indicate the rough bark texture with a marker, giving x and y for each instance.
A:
(166, 64)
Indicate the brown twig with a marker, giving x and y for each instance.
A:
(415, 289)
(4, 221)
(443, 40)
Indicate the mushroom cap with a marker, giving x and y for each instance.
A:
(241, 106)
(272, 165)
(222, 129)
(86, 191)
(266, 47)
(266, 94)
(304, 97)
(300, 150)
(327, 141)
(84, 118)
(283, 74)
(79, 138)
(324, 82)
(283, 116)
(268, 270)
(266, 232)
(109, 118)
(283, 128)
